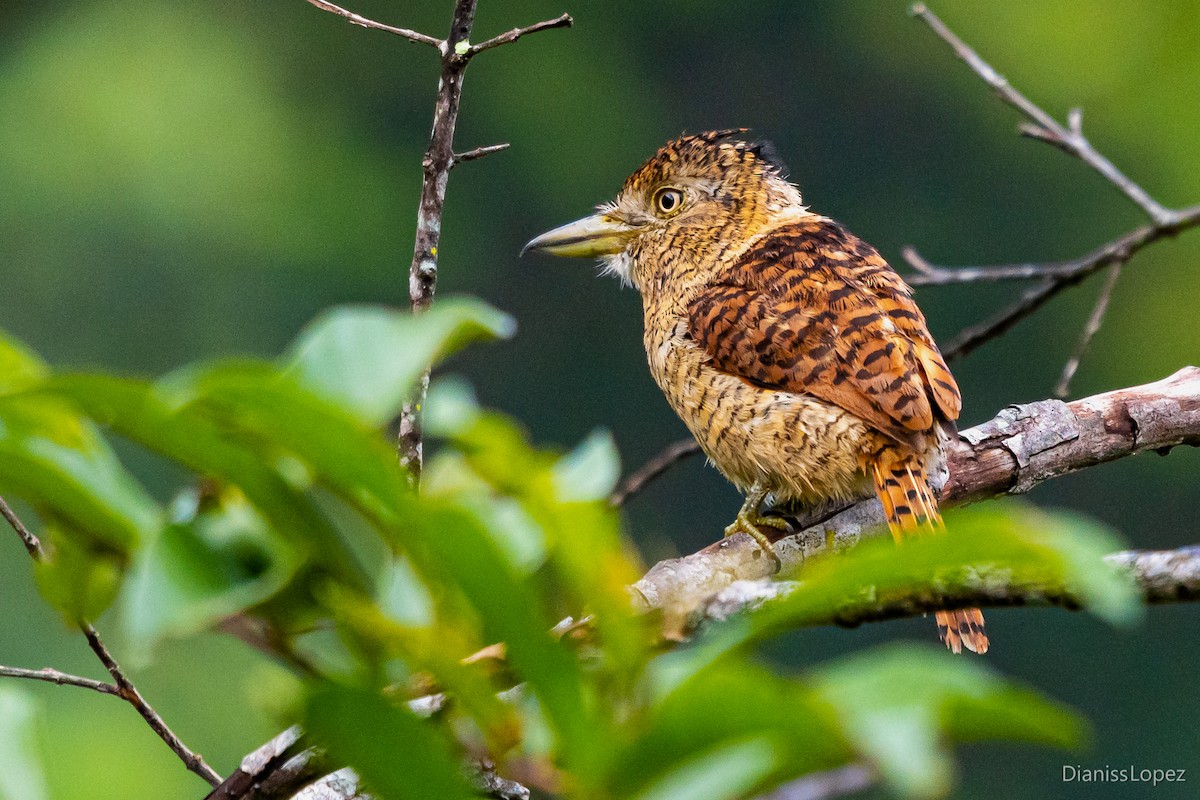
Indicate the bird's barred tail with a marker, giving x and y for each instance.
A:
(903, 487)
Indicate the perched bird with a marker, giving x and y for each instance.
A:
(787, 345)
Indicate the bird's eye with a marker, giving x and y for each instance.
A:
(668, 200)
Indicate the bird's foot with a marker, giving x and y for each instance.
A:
(750, 522)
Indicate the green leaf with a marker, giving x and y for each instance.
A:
(59, 463)
(590, 471)
(369, 358)
(458, 551)
(95, 512)
(153, 418)
(1021, 547)
(398, 755)
(722, 773)
(22, 776)
(19, 367)
(256, 405)
(450, 407)
(900, 704)
(80, 577)
(1072, 544)
(214, 559)
(728, 702)
(438, 649)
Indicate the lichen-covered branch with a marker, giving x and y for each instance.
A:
(1019, 448)
(1167, 576)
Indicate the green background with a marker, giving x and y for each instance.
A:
(181, 180)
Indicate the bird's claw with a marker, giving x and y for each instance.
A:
(751, 523)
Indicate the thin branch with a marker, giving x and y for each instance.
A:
(437, 163)
(932, 275)
(456, 52)
(565, 21)
(1054, 277)
(32, 543)
(1061, 275)
(672, 454)
(1021, 447)
(361, 21)
(123, 688)
(478, 152)
(972, 337)
(1044, 127)
(128, 692)
(827, 785)
(59, 678)
(1095, 320)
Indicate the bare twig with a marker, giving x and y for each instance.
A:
(1064, 274)
(1018, 449)
(973, 336)
(672, 454)
(357, 19)
(456, 52)
(564, 21)
(1053, 277)
(60, 678)
(31, 542)
(1090, 330)
(933, 275)
(123, 688)
(1044, 127)
(827, 785)
(478, 152)
(128, 692)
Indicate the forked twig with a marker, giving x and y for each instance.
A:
(1054, 276)
(122, 686)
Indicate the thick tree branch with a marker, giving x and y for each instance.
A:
(1021, 447)
(288, 767)
(1168, 576)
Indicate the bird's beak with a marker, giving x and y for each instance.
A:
(590, 237)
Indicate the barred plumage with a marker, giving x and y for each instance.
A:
(787, 345)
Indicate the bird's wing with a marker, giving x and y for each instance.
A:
(812, 308)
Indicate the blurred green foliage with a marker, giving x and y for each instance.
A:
(303, 524)
(184, 181)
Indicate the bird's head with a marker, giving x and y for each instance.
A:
(704, 195)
